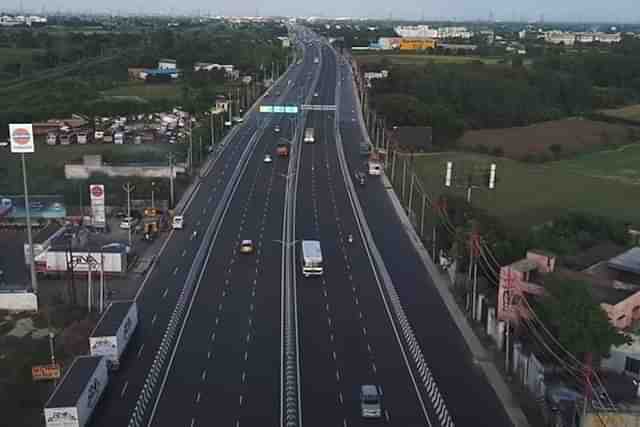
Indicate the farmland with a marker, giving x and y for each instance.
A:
(421, 59)
(17, 55)
(605, 183)
(574, 135)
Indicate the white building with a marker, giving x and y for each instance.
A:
(425, 31)
(229, 70)
(167, 64)
(560, 37)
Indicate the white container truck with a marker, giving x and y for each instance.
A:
(76, 396)
(113, 332)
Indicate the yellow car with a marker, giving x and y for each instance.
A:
(246, 247)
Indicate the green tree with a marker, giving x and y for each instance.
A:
(577, 321)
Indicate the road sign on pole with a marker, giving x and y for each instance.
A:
(286, 109)
(21, 138)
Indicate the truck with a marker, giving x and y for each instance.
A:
(308, 135)
(282, 149)
(375, 164)
(311, 258)
(77, 394)
(370, 401)
(113, 332)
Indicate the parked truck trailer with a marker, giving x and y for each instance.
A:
(113, 332)
(76, 396)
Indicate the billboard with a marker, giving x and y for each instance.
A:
(21, 136)
(48, 207)
(45, 372)
(96, 192)
(416, 44)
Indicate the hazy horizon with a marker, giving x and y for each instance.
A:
(501, 10)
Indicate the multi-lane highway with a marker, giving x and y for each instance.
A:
(470, 399)
(346, 337)
(255, 194)
(225, 365)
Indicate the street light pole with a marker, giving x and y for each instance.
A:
(171, 190)
(32, 265)
(153, 204)
(128, 188)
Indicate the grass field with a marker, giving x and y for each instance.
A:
(606, 184)
(631, 113)
(145, 91)
(575, 135)
(17, 56)
(420, 59)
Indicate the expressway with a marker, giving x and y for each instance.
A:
(346, 338)
(225, 365)
(160, 291)
(470, 399)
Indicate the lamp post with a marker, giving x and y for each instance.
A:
(153, 204)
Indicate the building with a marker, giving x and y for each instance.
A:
(55, 125)
(92, 164)
(167, 64)
(458, 47)
(416, 44)
(416, 31)
(229, 70)
(518, 281)
(560, 37)
(159, 74)
(389, 43)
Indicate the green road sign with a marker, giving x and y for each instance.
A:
(291, 109)
(287, 109)
(266, 109)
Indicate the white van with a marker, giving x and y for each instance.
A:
(177, 222)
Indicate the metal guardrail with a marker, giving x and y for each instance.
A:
(290, 406)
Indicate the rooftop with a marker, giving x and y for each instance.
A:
(524, 265)
(74, 382)
(112, 318)
(628, 261)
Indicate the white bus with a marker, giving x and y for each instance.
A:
(308, 135)
(311, 258)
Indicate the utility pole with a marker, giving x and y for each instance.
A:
(32, 264)
(128, 188)
(153, 204)
(171, 190)
(190, 146)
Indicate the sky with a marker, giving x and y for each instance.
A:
(552, 10)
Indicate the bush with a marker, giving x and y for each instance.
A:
(497, 151)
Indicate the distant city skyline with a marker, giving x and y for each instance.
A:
(500, 10)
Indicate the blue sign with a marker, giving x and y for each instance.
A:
(39, 207)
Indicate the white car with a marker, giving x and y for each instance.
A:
(227, 123)
(127, 223)
(178, 222)
(268, 158)
(246, 247)
(315, 94)
(276, 129)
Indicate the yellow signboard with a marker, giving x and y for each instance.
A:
(45, 372)
(416, 44)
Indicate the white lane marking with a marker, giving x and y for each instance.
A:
(340, 398)
(193, 422)
(213, 336)
(153, 320)
(204, 210)
(386, 415)
(246, 355)
(164, 294)
(373, 366)
(198, 397)
(204, 375)
(175, 271)
(337, 375)
(344, 422)
(140, 351)
(241, 397)
(184, 252)
(198, 223)
(208, 355)
(124, 389)
(244, 376)
(334, 355)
